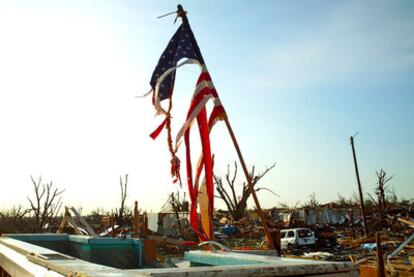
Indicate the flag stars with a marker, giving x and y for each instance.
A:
(180, 46)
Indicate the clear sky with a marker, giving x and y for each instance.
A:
(297, 79)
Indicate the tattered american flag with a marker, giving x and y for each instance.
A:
(183, 46)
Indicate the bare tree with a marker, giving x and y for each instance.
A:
(176, 204)
(14, 220)
(344, 202)
(294, 218)
(237, 205)
(46, 205)
(380, 190)
(124, 189)
(313, 202)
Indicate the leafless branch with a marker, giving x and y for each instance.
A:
(45, 206)
(237, 204)
(124, 189)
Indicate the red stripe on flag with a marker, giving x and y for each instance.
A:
(206, 162)
(204, 76)
(193, 191)
(157, 131)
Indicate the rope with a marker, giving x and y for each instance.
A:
(175, 161)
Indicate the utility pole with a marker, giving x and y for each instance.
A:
(361, 197)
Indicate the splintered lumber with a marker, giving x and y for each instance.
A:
(68, 220)
(352, 243)
(402, 245)
(83, 221)
(406, 221)
(78, 230)
(64, 221)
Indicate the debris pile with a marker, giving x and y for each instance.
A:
(331, 232)
(342, 241)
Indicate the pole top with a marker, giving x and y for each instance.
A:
(352, 137)
(181, 13)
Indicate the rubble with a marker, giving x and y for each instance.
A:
(338, 232)
(339, 235)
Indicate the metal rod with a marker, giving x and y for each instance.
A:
(361, 197)
(167, 14)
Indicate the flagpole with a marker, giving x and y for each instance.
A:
(249, 182)
(181, 13)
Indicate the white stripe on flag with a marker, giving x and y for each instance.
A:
(157, 104)
(190, 119)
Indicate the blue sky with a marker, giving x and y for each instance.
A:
(297, 79)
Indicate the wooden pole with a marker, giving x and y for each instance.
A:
(135, 219)
(113, 225)
(145, 224)
(380, 257)
(249, 182)
(361, 197)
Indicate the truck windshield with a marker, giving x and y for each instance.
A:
(304, 233)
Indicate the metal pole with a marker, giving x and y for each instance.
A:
(361, 197)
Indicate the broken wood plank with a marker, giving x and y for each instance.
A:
(83, 221)
(406, 221)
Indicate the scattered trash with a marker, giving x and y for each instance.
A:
(318, 255)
